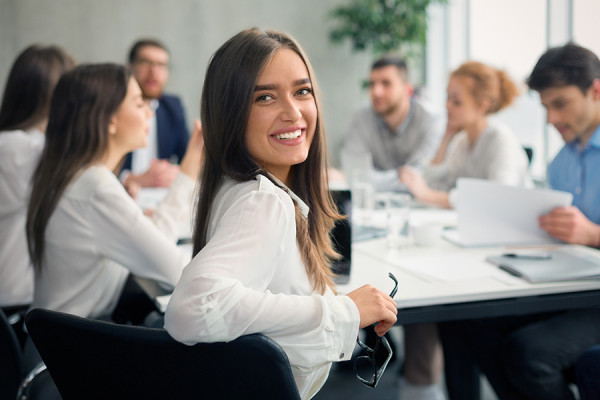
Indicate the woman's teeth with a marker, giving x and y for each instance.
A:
(289, 135)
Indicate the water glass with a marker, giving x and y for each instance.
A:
(363, 202)
(398, 210)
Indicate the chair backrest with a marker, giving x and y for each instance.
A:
(11, 360)
(98, 360)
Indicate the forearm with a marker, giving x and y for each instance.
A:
(174, 212)
(436, 197)
(191, 164)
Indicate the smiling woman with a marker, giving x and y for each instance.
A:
(283, 115)
(261, 259)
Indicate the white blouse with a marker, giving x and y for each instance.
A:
(98, 234)
(497, 155)
(19, 154)
(250, 278)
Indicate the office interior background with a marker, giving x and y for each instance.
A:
(508, 34)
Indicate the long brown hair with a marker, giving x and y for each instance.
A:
(225, 107)
(30, 84)
(84, 100)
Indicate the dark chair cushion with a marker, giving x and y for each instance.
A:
(99, 360)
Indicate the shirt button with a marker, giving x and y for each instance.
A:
(341, 356)
(578, 190)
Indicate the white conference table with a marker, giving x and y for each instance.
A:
(448, 282)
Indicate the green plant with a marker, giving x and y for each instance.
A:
(382, 25)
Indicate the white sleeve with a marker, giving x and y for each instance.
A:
(124, 234)
(16, 172)
(223, 292)
(175, 210)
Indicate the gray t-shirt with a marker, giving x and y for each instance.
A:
(413, 143)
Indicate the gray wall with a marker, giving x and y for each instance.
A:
(96, 31)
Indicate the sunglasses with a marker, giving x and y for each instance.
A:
(369, 368)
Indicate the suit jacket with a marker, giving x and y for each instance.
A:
(171, 130)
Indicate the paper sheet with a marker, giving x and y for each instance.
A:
(490, 213)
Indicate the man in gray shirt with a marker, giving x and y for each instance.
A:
(396, 129)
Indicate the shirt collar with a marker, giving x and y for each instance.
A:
(407, 119)
(304, 209)
(595, 139)
(154, 104)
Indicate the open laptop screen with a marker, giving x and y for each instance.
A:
(341, 236)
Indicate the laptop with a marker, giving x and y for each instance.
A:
(493, 214)
(341, 236)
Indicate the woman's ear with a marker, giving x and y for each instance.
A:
(484, 106)
(596, 89)
(112, 126)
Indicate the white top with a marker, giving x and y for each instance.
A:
(497, 155)
(19, 155)
(141, 158)
(250, 278)
(98, 234)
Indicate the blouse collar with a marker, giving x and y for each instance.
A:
(304, 209)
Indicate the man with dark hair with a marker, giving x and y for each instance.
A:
(155, 165)
(532, 356)
(396, 129)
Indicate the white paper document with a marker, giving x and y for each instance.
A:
(490, 213)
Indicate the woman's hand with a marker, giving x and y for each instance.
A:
(451, 131)
(415, 182)
(192, 160)
(374, 306)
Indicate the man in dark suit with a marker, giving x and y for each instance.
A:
(156, 165)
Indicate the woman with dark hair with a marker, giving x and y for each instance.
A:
(261, 241)
(85, 233)
(472, 146)
(23, 117)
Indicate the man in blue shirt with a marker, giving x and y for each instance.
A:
(533, 356)
(574, 110)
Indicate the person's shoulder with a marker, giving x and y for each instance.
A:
(260, 191)
(94, 181)
(564, 155)
(170, 99)
(424, 115)
(11, 141)
(423, 110)
(19, 149)
(499, 130)
(263, 186)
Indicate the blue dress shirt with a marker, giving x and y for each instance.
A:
(575, 170)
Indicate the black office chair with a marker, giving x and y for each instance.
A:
(15, 380)
(11, 365)
(91, 359)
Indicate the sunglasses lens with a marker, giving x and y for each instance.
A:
(365, 368)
